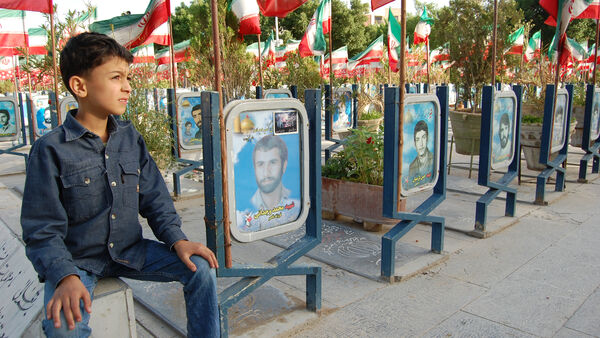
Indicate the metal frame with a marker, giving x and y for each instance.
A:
(390, 184)
(329, 119)
(175, 149)
(20, 128)
(557, 165)
(231, 112)
(63, 106)
(282, 264)
(495, 188)
(336, 93)
(590, 146)
(277, 91)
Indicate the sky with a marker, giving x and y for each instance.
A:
(111, 8)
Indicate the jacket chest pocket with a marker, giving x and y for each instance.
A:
(130, 178)
(84, 193)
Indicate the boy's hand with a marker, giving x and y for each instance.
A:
(185, 249)
(67, 297)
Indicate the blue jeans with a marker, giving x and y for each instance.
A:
(161, 265)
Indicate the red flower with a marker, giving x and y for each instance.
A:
(370, 140)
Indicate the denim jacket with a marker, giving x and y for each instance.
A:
(82, 199)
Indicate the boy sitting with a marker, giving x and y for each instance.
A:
(87, 181)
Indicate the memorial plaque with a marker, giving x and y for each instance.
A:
(559, 121)
(342, 114)
(595, 120)
(503, 129)
(267, 166)
(10, 119)
(420, 150)
(189, 110)
(67, 104)
(277, 94)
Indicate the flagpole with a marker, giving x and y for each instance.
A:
(330, 55)
(218, 88)
(174, 79)
(260, 77)
(525, 39)
(401, 85)
(428, 78)
(596, 52)
(52, 33)
(494, 43)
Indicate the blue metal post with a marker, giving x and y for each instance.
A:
(328, 118)
(30, 118)
(294, 91)
(591, 147)
(259, 92)
(354, 105)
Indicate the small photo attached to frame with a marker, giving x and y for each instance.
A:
(43, 114)
(420, 150)
(503, 129)
(559, 121)
(10, 119)
(277, 94)
(595, 121)
(286, 122)
(267, 167)
(189, 111)
(342, 114)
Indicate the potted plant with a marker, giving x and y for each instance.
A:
(352, 180)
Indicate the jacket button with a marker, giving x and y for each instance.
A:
(113, 216)
(86, 180)
(113, 183)
(106, 156)
(111, 245)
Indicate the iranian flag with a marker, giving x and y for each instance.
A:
(248, 18)
(12, 29)
(313, 41)
(279, 8)
(440, 54)
(44, 6)
(339, 62)
(591, 12)
(394, 35)
(563, 11)
(159, 36)
(181, 53)
(8, 67)
(143, 54)
(133, 30)
(516, 41)
(367, 61)
(38, 39)
(571, 50)
(591, 53)
(253, 49)
(379, 3)
(423, 28)
(534, 46)
(268, 51)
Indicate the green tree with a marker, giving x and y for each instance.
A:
(468, 29)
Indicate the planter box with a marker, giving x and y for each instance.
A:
(531, 140)
(466, 129)
(357, 200)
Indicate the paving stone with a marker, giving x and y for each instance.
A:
(463, 324)
(587, 318)
(568, 333)
(399, 310)
(527, 305)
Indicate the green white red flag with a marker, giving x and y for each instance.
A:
(247, 12)
(134, 30)
(394, 34)
(423, 28)
(12, 29)
(571, 50)
(440, 54)
(43, 6)
(516, 41)
(268, 51)
(8, 67)
(38, 39)
(534, 46)
(591, 12)
(181, 51)
(339, 62)
(379, 3)
(143, 54)
(313, 41)
(279, 8)
(367, 61)
(563, 11)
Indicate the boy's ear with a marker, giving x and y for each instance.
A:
(78, 86)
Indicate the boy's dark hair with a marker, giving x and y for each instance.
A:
(86, 51)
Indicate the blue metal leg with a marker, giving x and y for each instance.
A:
(388, 257)
(596, 164)
(313, 291)
(511, 204)
(583, 169)
(540, 191)
(560, 180)
(437, 236)
(480, 215)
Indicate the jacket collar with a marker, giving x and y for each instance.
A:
(74, 129)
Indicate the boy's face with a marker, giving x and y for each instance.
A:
(107, 87)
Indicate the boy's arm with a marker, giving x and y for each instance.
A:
(44, 219)
(155, 202)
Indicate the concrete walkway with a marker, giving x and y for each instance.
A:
(538, 275)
